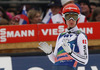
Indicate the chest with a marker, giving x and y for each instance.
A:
(72, 41)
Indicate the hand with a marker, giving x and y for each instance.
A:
(65, 46)
(45, 47)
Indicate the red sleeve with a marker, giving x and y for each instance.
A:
(85, 20)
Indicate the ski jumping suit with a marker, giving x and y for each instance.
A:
(78, 43)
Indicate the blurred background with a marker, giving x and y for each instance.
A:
(14, 7)
(26, 53)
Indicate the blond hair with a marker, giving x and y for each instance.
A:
(32, 13)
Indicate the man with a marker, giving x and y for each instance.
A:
(93, 5)
(82, 18)
(53, 16)
(71, 46)
(85, 8)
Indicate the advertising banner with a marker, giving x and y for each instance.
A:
(91, 29)
(18, 33)
(50, 32)
(44, 32)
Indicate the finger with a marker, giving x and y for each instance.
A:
(50, 45)
(64, 42)
(40, 43)
(65, 39)
(45, 43)
(62, 45)
(40, 48)
(69, 47)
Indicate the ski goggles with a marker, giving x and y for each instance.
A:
(71, 15)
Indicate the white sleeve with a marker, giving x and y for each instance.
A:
(52, 56)
(82, 56)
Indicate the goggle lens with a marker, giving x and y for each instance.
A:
(69, 16)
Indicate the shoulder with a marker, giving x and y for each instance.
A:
(82, 35)
(79, 33)
(61, 35)
(81, 38)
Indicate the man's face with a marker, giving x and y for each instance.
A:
(84, 8)
(71, 18)
(71, 23)
(98, 18)
(55, 9)
(93, 7)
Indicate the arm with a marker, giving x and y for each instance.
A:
(48, 50)
(52, 56)
(82, 56)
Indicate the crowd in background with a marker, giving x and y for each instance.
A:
(52, 14)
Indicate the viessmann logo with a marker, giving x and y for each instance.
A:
(8, 35)
(4, 34)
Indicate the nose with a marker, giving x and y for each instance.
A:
(81, 5)
(39, 18)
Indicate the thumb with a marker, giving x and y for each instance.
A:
(40, 47)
